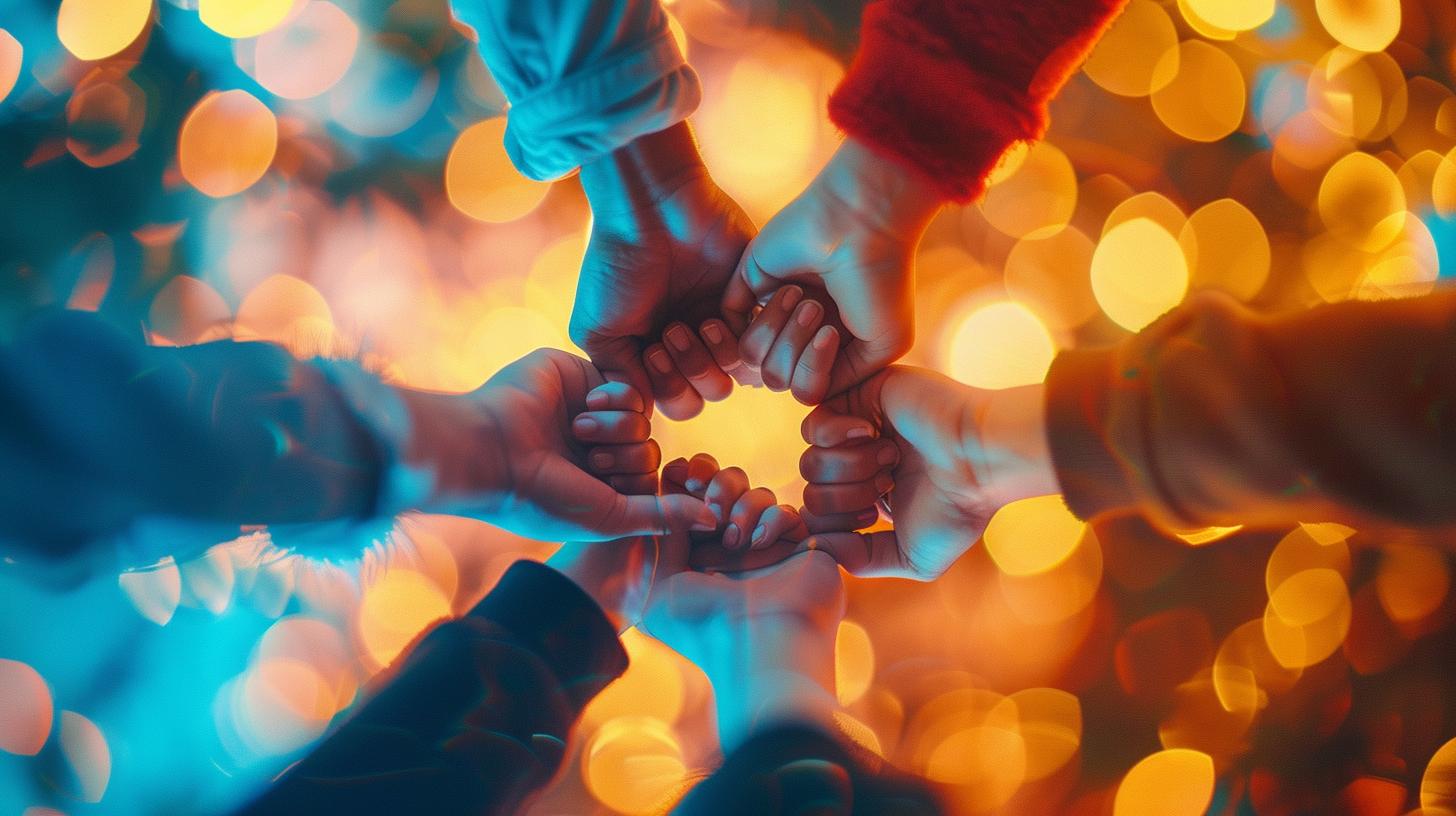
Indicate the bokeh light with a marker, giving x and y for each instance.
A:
(480, 179)
(25, 708)
(12, 56)
(96, 29)
(1204, 100)
(309, 55)
(240, 19)
(1175, 782)
(1138, 273)
(1000, 345)
(227, 143)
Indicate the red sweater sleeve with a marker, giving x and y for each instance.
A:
(1214, 415)
(945, 86)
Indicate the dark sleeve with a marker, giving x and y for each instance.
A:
(796, 769)
(97, 428)
(1214, 416)
(475, 718)
(945, 86)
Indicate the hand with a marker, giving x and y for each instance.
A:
(852, 234)
(940, 457)
(765, 639)
(663, 246)
(621, 575)
(514, 453)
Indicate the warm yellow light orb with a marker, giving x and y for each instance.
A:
(480, 179)
(1034, 535)
(1001, 345)
(228, 141)
(1034, 196)
(1226, 249)
(1176, 782)
(1204, 101)
(1129, 59)
(1361, 202)
(1366, 25)
(1234, 15)
(243, 18)
(1138, 273)
(97, 29)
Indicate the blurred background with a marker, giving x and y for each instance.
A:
(329, 175)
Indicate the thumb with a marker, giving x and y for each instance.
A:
(659, 515)
(620, 360)
(862, 359)
(739, 298)
(871, 555)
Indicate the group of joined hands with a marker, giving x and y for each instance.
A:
(677, 301)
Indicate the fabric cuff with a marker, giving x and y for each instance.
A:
(1079, 411)
(561, 624)
(554, 130)
(386, 419)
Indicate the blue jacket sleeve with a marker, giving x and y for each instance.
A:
(583, 77)
(98, 429)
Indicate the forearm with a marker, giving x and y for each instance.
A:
(98, 430)
(641, 174)
(946, 86)
(1215, 416)
(780, 671)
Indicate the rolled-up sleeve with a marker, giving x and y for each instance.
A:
(583, 77)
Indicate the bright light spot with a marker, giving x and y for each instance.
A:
(1051, 275)
(1360, 95)
(854, 662)
(1204, 101)
(634, 765)
(1051, 727)
(1129, 59)
(1176, 782)
(1307, 547)
(12, 55)
(1234, 15)
(395, 609)
(480, 179)
(1000, 345)
(277, 307)
(652, 686)
(1034, 535)
(243, 18)
(87, 754)
(228, 142)
(309, 55)
(1037, 198)
(1412, 582)
(25, 709)
(1307, 618)
(1151, 205)
(96, 29)
(1365, 25)
(1226, 249)
(1438, 784)
(1138, 273)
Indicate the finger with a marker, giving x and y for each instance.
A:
(695, 362)
(854, 414)
(865, 554)
(722, 343)
(756, 340)
(782, 521)
(620, 360)
(862, 359)
(611, 427)
(848, 463)
(715, 558)
(615, 396)
(810, 382)
(639, 484)
(746, 515)
(655, 515)
(840, 522)
(830, 499)
(701, 470)
(724, 491)
(783, 356)
(675, 476)
(636, 459)
(739, 298)
(675, 396)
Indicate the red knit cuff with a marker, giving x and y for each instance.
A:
(946, 87)
(1078, 408)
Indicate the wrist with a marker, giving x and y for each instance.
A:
(887, 194)
(779, 670)
(1009, 443)
(457, 442)
(642, 174)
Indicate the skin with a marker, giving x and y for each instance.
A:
(663, 246)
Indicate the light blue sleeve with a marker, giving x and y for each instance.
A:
(583, 77)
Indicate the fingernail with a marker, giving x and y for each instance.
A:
(758, 533)
(792, 296)
(678, 337)
(730, 537)
(824, 338)
(705, 522)
(858, 432)
(883, 483)
(602, 461)
(660, 361)
(809, 313)
(713, 332)
(596, 399)
(888, 455)
(586, 425)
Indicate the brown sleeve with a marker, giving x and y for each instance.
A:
(1214, 415)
